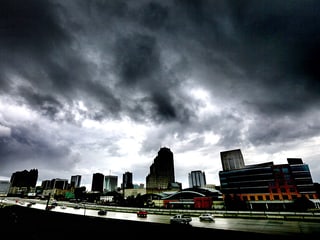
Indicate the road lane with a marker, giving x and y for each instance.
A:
(278, 227)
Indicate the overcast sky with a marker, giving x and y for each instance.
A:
(91, 86)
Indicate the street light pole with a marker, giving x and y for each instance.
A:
(48, 201)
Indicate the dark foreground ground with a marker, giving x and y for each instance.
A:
(24, 223)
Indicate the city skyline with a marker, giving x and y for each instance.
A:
(230, 160)
(101, 86)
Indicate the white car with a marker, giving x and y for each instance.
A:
(206, 217)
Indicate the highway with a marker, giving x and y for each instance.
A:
(268, 226)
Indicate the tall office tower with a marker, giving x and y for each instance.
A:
(4, 187)
(232, 159)
(75, 181)
(197, 179)
(127, 180)
(110, 183)
(97, 182)
(161, 172)
(24, 178)
(46, 184)
(59, 183)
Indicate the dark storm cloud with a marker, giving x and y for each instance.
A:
(258, 54)
(139, 65)
(284, 38)
(26, 147)
(272, 44)
(37, 48)
(138, 58)
(154, 15)
(32, 41)
(46, 104)
(31, 26)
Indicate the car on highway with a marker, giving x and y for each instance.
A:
(102, 212)
(206, 217)
(142, 213)
(77, 206)
(180, 219)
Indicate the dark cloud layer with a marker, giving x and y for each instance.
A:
(141, 60)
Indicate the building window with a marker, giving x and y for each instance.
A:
(285, 170)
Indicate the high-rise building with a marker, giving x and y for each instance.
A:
(232, 159)
(24, 178)
(75, 181)
(110, 183)
(127, 180)
(56, 183)
(46, 184)
(23, 183)
(267, 183)
(161, 174)
(4, 187)
(59, 183)
(197, 179)
(97, 182)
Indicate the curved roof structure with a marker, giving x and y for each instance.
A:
(184, 195)
(206, 191)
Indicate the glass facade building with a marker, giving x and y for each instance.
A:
(269, 182)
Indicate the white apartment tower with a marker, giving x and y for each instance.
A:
(197, 179)
(232, 160)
